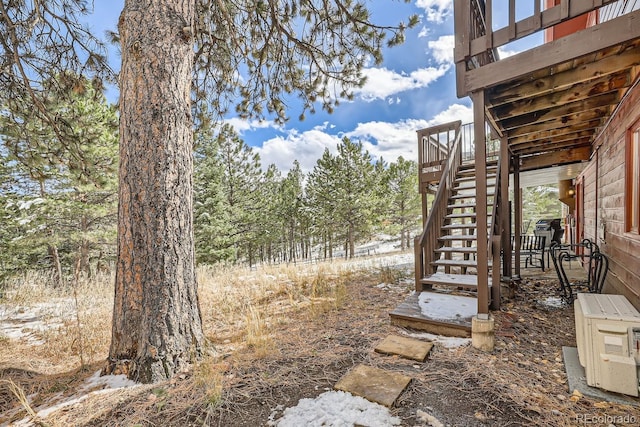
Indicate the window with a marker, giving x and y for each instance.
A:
(632, 188)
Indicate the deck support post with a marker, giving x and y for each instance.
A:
(507, 249)
(483, 332)
(517, 214)
(480, 142)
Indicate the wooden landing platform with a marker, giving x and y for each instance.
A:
(436, 313)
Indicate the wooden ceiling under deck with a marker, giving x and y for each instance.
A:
(552, 115)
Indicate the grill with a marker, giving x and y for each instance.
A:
(551, 229)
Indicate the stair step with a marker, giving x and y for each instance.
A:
(467, 281)
(467, 171)
(457, 250)
(461, 206)
(465, 238)
(469, 195)
(473, 178)
(471, 183)
(470, 225)
(472, 164)
(455, 263)
(464, 186)
(461, 215)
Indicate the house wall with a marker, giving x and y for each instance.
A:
(590, 201)
(604, 199)
(568, 27)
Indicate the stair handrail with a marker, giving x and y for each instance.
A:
(426, 243)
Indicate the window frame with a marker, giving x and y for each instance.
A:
(632, 180)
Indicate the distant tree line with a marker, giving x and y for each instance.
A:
(58, 202)
(245, 214)
(58, 192)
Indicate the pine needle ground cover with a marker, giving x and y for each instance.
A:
(279, 334)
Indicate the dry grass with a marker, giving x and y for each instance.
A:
(66, 325)
(241, 308)
(283, 333)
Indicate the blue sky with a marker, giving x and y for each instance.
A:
(412, 89)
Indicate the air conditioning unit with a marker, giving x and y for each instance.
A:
(608, 338)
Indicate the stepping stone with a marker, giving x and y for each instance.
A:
(409, 348)
(374, 384)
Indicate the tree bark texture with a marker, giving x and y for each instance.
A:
(157, 327)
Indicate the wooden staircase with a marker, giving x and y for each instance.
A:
(455, 261)
(447, 272)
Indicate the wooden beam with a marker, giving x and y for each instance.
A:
(602, 36)
(512, 20)
(599, 103)
(488, 19)
(541, 143)
(550, 83)
(554, 146)
(462, 23)
(553, 132)
(559, 123)
(555, 158)
(505, 232)
(481, 201)
(517, 212)
(577, 92)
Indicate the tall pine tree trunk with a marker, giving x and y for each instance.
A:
(85, 249)
(56, 266)
(157, 328)
(352, 240)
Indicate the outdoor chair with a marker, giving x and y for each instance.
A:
(532, 250)
(588, 253)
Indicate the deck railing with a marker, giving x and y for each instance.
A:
(617, 8)
(436, 144)
(481, 28)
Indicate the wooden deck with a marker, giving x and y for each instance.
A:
(410, 315)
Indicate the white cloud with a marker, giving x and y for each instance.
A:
(382, 83)
(504, 53)
(424, 32)
(381, 139)
(392, 140)
(389, 140)
(454, 112)
(307, 147)
(436, 10)
(442, 49)
(241, 125)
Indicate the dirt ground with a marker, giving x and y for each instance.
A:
(521, 383)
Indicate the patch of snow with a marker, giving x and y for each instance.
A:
(337, 409)
(27, 220)
(447, 307)
(21, 322)
(26, 204)
(107, 382)
(44, 413)
(396, 261)
(553, 302)
(446, 342)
